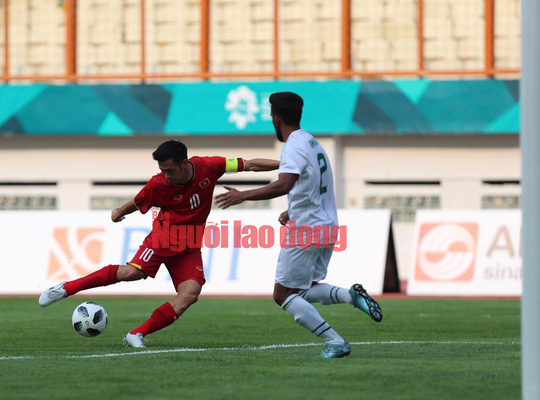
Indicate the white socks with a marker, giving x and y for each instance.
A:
(326, 294)
(308, 316)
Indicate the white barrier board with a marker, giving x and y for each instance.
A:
(42, 248)
(469, 253)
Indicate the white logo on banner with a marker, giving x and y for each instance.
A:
(243, 105)
(446, 252)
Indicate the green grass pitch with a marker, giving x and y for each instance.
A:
(222, 349)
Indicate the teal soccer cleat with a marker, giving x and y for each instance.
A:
(365, 302)
(336, 350)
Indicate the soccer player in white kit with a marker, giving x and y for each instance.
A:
(305, 175)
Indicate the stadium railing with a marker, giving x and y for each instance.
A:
(434, 33)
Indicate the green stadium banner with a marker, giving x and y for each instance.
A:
(417, 106)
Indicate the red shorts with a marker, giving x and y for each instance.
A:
(182, 266)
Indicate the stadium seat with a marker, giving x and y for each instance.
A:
(469, 27)
(443, 65)
(439, 9)
(169, 33)
(132, 15)
(406, 65)
(331, 50)
(108, 13)
(263, 31)
(507, 25)
(473, 65)
(394, 29)
(373, 50)
(18, 14)
(263, 52)
(440, 49)
(508, 48)
(38, 34)
(132, 34)
(264, 66)
(438, 28)
(331, 66)
(46, 55)
(294, 32)
(167, 12)
(468, 8)
(105, 34)
(328, 30)
(230, 14)
(294, 12)
(507, 63)
(404, 50)
(508, 8)
(18, 34)
(369, 10)
(231, 34)
(262, 12)
(380, 65)
(110, 53)
(133, 53)
(329, 10)
(172, 53)
(471, 49)
(366, 30)
(400, 10)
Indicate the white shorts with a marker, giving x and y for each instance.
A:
(297, 269)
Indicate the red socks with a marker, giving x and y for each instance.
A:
(103, 277)
(161, 317)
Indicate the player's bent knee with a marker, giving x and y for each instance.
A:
(130, 273)
(190, 298)
(183, 301)
(282, 293)
(278, 298)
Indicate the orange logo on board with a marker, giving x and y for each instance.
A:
(75, 252)
(446, 252)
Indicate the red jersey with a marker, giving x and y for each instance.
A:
(185, 205)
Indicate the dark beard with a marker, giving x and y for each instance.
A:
(279, 135)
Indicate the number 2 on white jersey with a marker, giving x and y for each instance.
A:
(323, 167)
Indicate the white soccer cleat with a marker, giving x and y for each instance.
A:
(52, 295)
(136, 340)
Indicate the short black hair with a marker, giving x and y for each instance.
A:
(171, 149)
(287, 106)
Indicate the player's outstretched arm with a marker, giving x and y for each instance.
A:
(275, 189)
(119, 214)
(260, 164)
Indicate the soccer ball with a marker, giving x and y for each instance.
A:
(89, 319)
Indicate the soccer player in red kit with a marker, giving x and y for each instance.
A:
(183, 190)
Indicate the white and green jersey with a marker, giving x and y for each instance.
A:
(311, 199)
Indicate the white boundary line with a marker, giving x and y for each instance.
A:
(251, 348)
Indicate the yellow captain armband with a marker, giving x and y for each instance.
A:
(234, 164)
